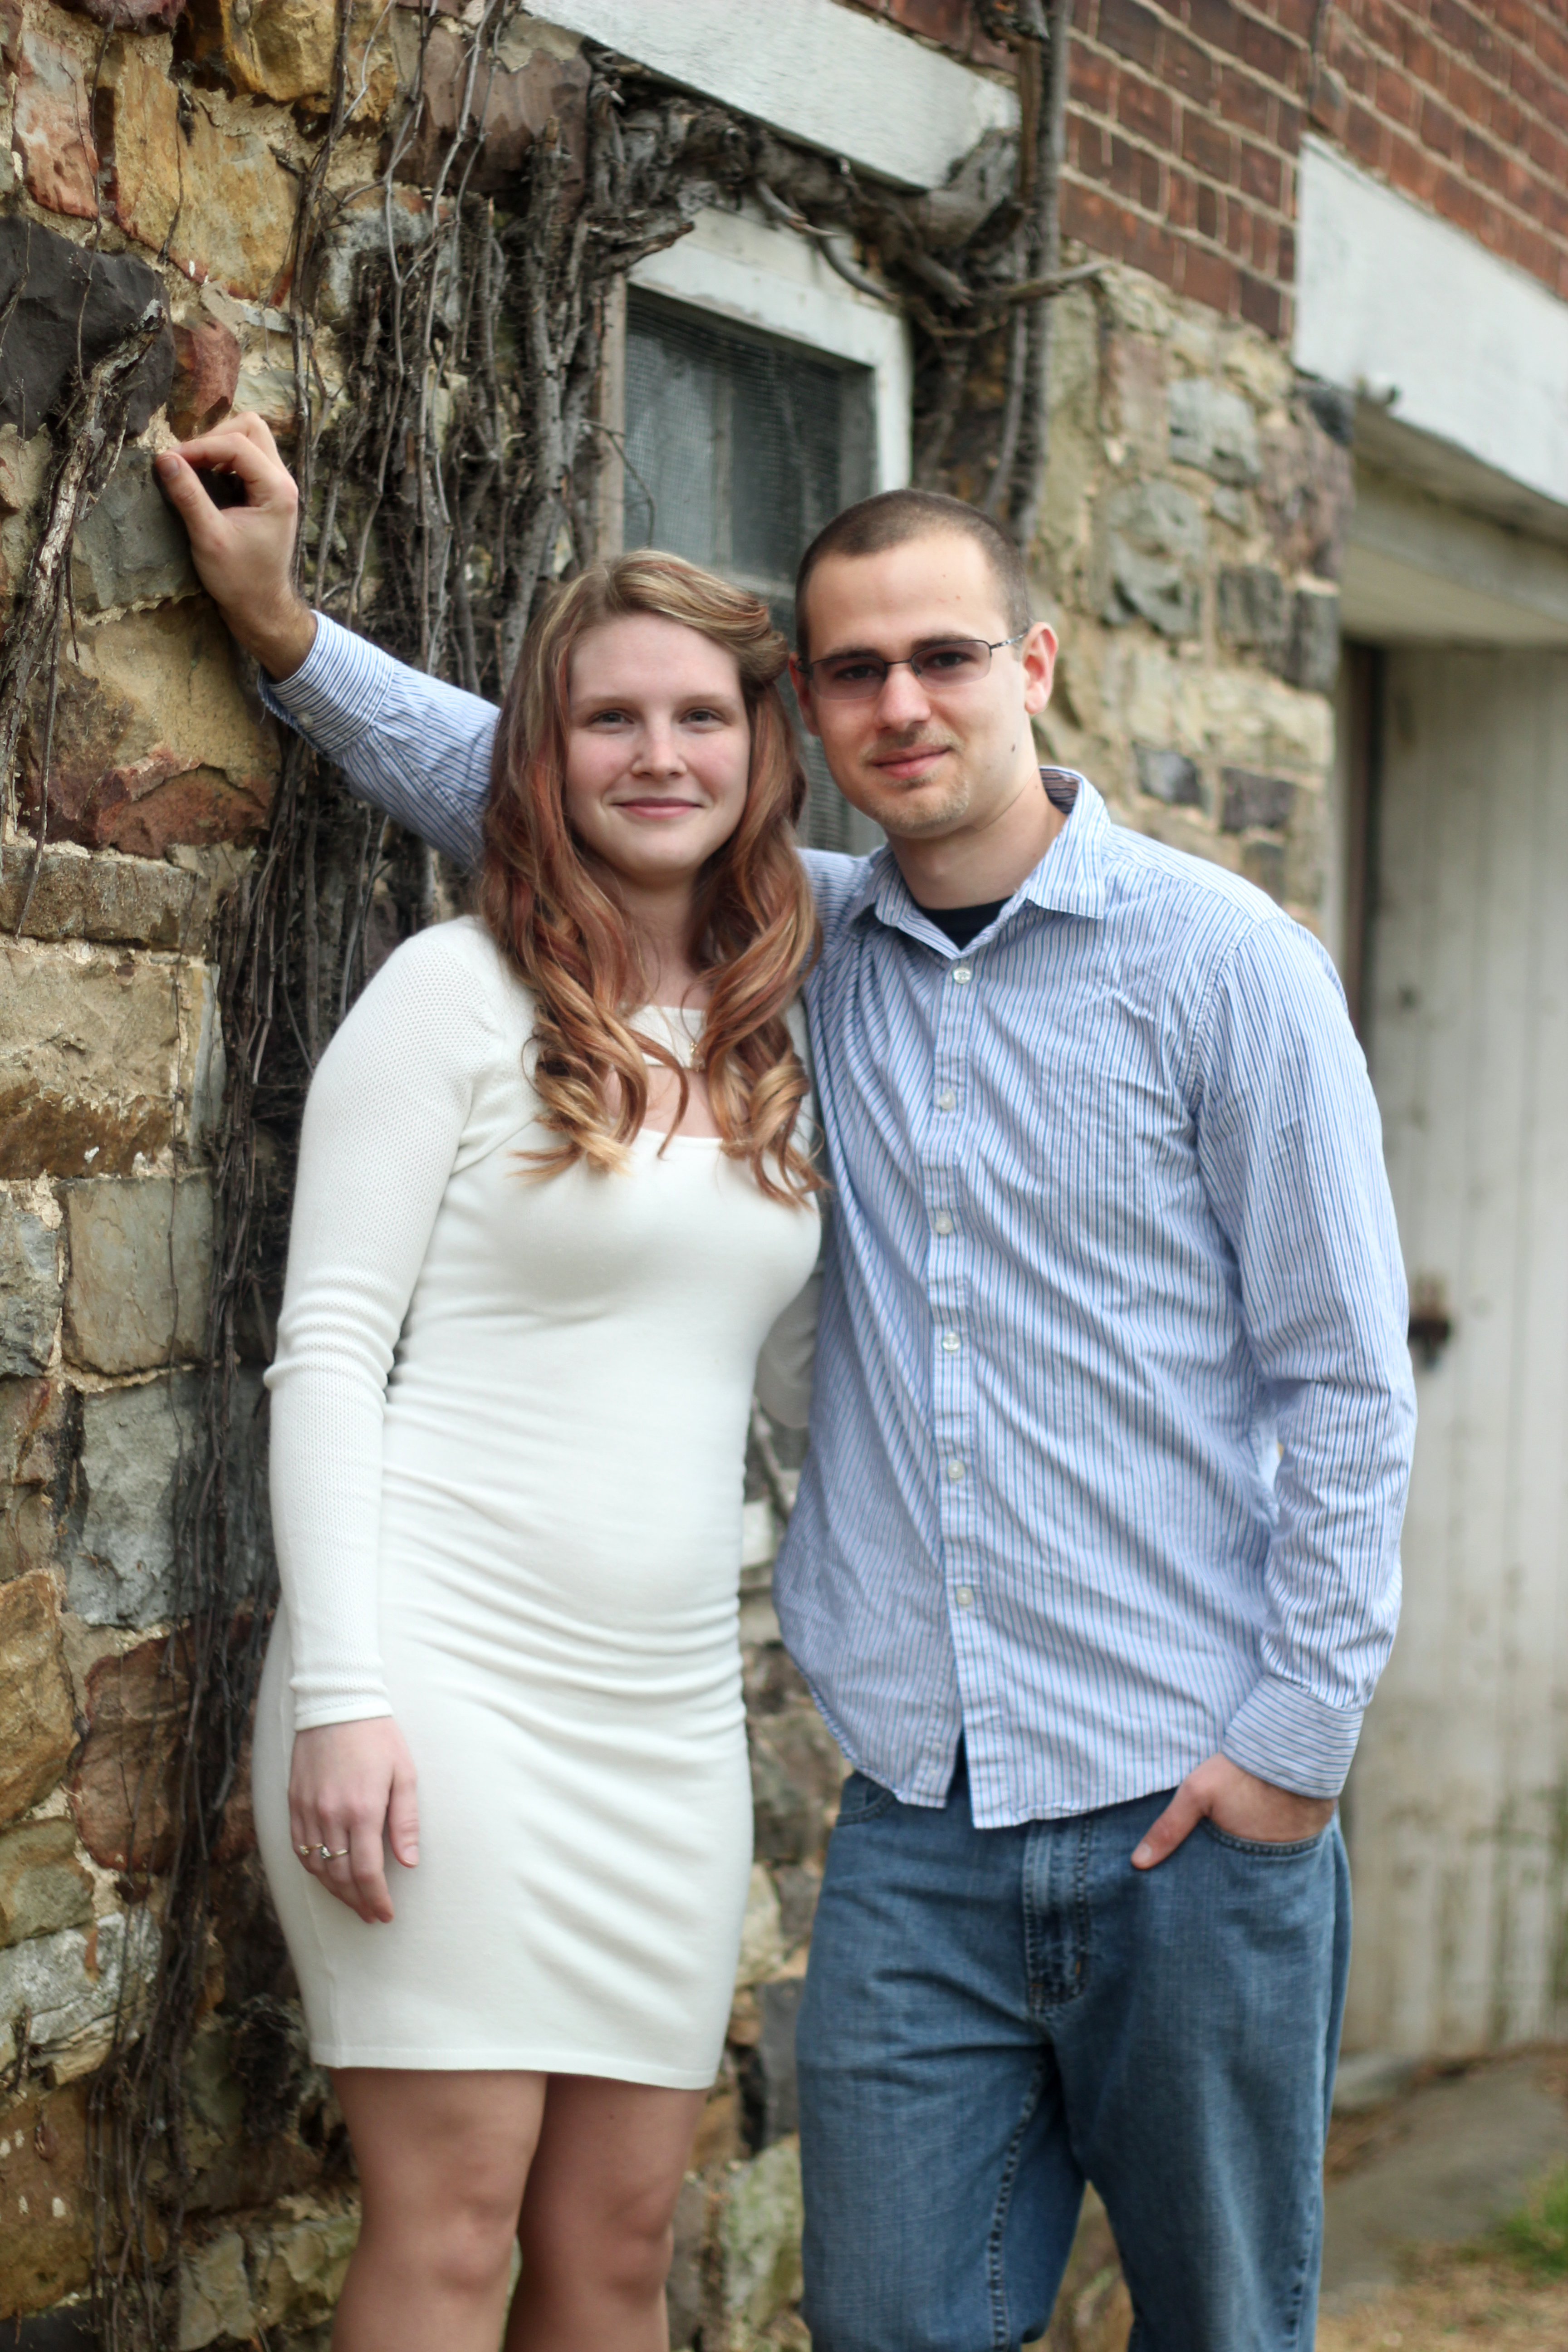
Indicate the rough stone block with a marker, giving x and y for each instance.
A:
(91, 1055)
(37, 1450)
(70, 301)
(1309, 489)
(1252, 607)
(158, 738)
(1312, 651)
(282, 50)
(46, 2245)
(70, 1987)
(131, 548)
(1263, 863)
(214, 2293)
(206, 184)
(796, 1774)
(1214, 427)
(140, 15)
(121, 1563)
(51, 126)
(1168, 776)
(298, 2266)
(1135, 374)
(520, 100)
(1252, 800)
(207, 371)
(684, 2293)
(759, 2239)
(774, 2097)
(1156, 540)
(798, 1886)
(761, 1944)
(37, 1724)
(43, 1886)
(29, 1288)
(140, 1262)
(124, 1790)
(136, 1444)
(77, 897)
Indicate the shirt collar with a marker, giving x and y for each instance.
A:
(1070, 878)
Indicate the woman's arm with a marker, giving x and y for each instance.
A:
(382, 1125)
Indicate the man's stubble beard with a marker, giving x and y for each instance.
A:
(920, 811)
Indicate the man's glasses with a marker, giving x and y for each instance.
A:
(954, 661)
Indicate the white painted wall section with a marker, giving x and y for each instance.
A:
(765, 277)
(811, 68)
(1390, 301)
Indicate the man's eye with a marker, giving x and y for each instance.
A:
(853, 673)
(945, 660)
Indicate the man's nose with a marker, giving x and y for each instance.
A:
(903, 700)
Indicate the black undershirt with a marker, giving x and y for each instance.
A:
(963, 924)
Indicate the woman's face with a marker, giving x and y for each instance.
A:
(657, 749)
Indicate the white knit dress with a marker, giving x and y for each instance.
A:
(509, 1421)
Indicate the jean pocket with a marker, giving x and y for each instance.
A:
(1269, 1849)
(862, 1800)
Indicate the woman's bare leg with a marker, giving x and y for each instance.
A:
(596, 2218)
(443, 2163)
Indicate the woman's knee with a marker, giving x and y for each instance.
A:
(622, 2250)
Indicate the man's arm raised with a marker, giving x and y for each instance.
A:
(406, 742)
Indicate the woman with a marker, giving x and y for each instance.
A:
(540, 1236)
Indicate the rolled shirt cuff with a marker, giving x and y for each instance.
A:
(1283, 1735)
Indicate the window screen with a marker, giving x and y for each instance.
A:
(738, 450)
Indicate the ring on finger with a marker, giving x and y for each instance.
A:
(327, 1854)
(304, 1852)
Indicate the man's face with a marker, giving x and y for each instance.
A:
(924, 758)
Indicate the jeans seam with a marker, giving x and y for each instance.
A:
(995, 2280)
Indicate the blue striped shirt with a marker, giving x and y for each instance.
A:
(1113, 1409)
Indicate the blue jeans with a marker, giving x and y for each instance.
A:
(993, 2016)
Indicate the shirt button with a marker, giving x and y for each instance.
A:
(962, 975)
(951, 1342)
(955, 1471)
(946, 1100)
(965, 1595)
(941, 1223)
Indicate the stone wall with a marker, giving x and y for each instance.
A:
(1188, 548)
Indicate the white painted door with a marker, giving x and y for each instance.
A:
(1459, 1804)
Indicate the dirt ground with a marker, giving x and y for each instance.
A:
(1451, 2301)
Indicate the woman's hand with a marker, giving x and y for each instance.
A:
(348, 1785)
(244, 554)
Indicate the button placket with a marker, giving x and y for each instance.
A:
(946, 1286)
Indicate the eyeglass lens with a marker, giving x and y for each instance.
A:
(855, 677)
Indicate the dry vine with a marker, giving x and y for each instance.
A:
(456, 476)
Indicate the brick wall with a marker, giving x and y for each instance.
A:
(1186, 116)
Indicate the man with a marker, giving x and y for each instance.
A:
(1094, 1565)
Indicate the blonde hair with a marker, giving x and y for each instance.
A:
(754, 930)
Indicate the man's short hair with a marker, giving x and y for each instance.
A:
(894, 516)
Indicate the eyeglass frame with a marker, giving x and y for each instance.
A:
(912, 662)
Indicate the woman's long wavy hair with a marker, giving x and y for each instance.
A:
(559, 921)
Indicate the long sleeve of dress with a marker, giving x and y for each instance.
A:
(382, 1129)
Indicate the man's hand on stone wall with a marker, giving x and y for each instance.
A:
(244, 554)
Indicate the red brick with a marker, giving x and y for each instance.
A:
(1153, 248)
(1505, 119)
(1423, 59)
(1287, 126)
(1209, 149)
(1217, 23)
(1091, 78)
(985, 51)
(1262, 306)
(1439, 132)
(1413, 171)
(1237, 227)
(1546, 150)
(1265, 245)
(1270, 54)
(1147, 112)
(1469, 94)
(1538, 254)
(1463, 30)
(1209, 210)
(1136, 173)
(1244, 101)
(947, 21)
(1101, 223)
(1365, 136)
(1514, 18)
(1382, 26)
(1297, 16)
(1186, 69)
(1346, 57)
(1521, 186)
(1131, 30)
(1089, 148)
(1484, 164)
(1083, 16)
(1210, 277)
(1288, 257)
(1455, 200)
(1550, 46)
(1545, 96)
(1262, 176)
(1395, 96)
(1181, 199)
